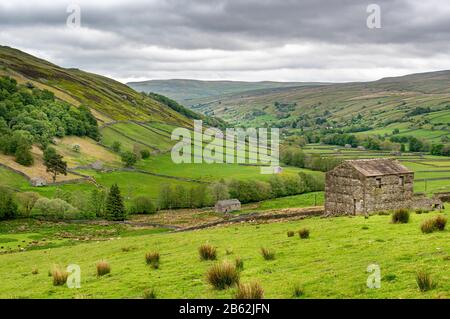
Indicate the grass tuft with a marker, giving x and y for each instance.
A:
(290, 233)
(430, 225)
(59, 275)
(298, 291)
(267, 254)
(222, 275)
(251, 290)
(152, 259)
(400, 216)
(207, 252)
(149, 294)
(239, 263)
(103, 268)
(424, 281)
(303, 233)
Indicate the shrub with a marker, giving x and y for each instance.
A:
(400, 216)
(128, 158)
(149, 293)
(59, 275)
(103, 268)
(424, 281)
(145, 154)
(267, 254)
(152, 258)
(53, 209)
(207, 252)
(8, 205)
(303, 233)
(239, 263)
(290, 233)
(116, 146)
(143, 205)
(249, 291)
(298, 291)
(223, 275)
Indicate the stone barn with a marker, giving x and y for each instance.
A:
(228, 205)
(362, 186)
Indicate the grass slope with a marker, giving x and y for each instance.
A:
(332, 263)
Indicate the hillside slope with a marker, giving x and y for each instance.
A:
(193, 92)
(109, 99)
(417, 101)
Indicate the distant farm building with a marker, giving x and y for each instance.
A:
(363, 186)
(38, 182)
(228, 205)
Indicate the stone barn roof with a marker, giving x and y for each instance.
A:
(379, 167)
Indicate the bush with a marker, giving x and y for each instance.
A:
(53, 209)
(59, 275)
(433, 224)
(116, 146)
(400, 216)
(23, 155)
(223, 275)
(267, 254)
(103, 268)
(145, 154)
(290, 233)
(424, 281)
(207, 252)
(249, 291)
(128, 158)
(143, 205)
(149, 293)
(152, 258)
(239, 263)
(303, 233)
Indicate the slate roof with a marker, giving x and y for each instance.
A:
(379, 167)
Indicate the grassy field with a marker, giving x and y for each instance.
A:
(332, 263)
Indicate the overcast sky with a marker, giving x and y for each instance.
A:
(252, 40)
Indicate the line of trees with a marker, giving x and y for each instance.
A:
(294, 156)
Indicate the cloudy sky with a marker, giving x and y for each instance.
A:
(252, 40)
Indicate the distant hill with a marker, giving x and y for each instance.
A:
(416, 104)
(110, 100)
(192, 92)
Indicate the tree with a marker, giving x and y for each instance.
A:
(115, 209)
(165, 197)
(128, 159)
(219, 191)
(143, 205)
(8, 206)
(23, 155)
(27, 201)
(97, 202)
(54, 163)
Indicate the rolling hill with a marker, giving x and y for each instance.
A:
(194, 92)
(417, 103)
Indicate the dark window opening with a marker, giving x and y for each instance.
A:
(401, 180)
(378, 182)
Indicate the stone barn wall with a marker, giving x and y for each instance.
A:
(387, 192)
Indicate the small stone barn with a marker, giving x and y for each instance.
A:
(362, 186)
(228, 205)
